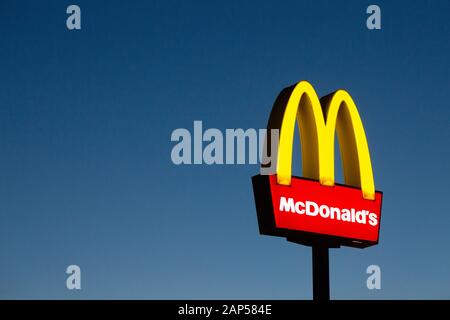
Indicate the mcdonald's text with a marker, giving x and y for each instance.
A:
(311, 208)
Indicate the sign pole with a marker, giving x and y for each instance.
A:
(321, 273)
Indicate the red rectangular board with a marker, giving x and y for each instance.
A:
(308, 207)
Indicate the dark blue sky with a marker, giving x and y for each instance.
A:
(85, 122)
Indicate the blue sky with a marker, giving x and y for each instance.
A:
(85, 122)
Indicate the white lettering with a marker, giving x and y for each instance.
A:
(287, 205)
(310, 208)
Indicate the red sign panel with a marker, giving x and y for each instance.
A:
(306, 211)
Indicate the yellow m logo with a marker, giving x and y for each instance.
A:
(318, 120)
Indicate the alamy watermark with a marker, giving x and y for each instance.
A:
(373, 21)
(73, 281)
(374, 280)
(73, 21)
(233, 146)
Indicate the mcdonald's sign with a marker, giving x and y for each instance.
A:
(313, 209)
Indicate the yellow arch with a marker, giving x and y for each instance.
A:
(317, 129)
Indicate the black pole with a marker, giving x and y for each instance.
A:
(321, 273)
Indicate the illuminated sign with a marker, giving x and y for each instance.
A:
(314, 209)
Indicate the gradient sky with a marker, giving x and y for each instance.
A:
(85, 122)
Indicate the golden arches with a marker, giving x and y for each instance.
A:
(318, 120)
